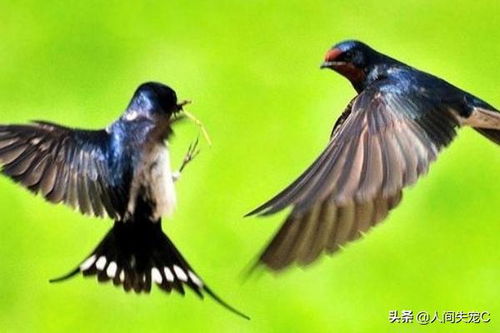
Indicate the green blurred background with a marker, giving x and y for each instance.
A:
(252, 71)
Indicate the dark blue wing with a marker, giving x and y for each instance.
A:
(64, 165)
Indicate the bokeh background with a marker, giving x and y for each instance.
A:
(251, 69)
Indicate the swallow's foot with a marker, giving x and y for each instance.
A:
(176, 175)
(192, 152)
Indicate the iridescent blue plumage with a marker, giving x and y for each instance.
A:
(122, 171)
(384, 141)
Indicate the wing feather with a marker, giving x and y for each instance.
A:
(385, 140)
(61, 164)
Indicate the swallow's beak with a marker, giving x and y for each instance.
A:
(180, 105)
(332, 64)
(330, 59)
(327, 64)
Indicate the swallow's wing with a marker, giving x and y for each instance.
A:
(63, 164)
(383, 142)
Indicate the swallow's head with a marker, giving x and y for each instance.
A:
(155, 99)
(351, 59)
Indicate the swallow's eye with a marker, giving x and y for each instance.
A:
(347, 56)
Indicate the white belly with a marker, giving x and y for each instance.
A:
(154, 180)
(161, 183)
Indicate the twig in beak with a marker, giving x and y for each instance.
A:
(200, 124)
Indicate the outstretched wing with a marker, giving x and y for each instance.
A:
(385, 140)
(63, 164)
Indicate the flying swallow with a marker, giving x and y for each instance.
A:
(122, 172)
(383, 142)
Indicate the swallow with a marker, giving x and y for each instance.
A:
(122, 172)
(386, 138)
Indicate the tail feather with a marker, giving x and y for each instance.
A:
(137, 255)
(487, 122)
(492, 134)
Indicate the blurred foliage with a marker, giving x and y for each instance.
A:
(252, 71)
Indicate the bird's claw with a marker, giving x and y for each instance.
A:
(192, 152)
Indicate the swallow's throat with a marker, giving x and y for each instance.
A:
(351, 72)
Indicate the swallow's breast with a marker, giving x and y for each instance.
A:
(154, 181)
(161, 182)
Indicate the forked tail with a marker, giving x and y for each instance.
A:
(137, 255)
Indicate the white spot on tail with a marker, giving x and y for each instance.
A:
(180, 273)
(168, 274)
(87, 263)
(156, 275)
(196, 280)
(111, 271)
(101, 263)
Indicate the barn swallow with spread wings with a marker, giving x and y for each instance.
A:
(122, 172)
(383, 142)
